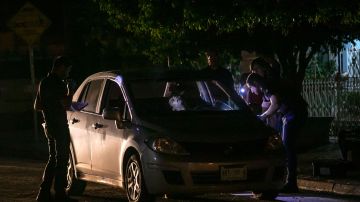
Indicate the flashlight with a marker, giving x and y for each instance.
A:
(242, 90)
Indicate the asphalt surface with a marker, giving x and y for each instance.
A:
(31, 154)
(19, 180)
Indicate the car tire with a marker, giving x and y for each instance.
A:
(75, 186)
(134, 181)
(266, 195)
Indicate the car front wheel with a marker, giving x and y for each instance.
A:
(134, 182)
(74, 185)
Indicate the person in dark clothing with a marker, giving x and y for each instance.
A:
(54, 97)
(271, 75)
(221, 74)
(293, 110)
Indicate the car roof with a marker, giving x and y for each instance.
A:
(178, 74)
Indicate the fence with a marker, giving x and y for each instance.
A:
(339, 99)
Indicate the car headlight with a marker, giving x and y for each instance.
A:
(167, 146)
(274, 143)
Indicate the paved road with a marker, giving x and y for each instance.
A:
(19, 180)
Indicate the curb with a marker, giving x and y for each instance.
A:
(329, 186)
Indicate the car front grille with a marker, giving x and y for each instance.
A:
(226, 149)
(173, 177)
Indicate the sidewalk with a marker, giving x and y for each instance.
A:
(23, 144)
(347, 185)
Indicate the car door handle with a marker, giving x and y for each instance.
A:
(74, 120)
(97, 125)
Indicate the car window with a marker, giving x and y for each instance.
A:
(216, 92)
(83, 93)
(220, 98)
(180, 95)
(148, 89)
(188, 92)
(91, 95)
(113, 96)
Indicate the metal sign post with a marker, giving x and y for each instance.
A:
(29, 23)
(34, 91)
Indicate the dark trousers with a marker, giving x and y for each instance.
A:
(291, 124)
(58, 138)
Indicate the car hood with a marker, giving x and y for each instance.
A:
(208, 127)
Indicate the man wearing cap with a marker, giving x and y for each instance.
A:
(53, 99)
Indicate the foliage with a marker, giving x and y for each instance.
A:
(231, 62)
(292, 29)
(352, 99)
(321, 66)
(95, 44)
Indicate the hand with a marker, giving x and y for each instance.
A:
(71, 86)
(262, 117)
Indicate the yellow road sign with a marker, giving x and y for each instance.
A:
(29, 23)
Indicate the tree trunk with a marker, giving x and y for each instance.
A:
(290, 76)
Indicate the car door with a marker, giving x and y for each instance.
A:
(79, 129)
(80, 141)
(90, 114)
(110, 137)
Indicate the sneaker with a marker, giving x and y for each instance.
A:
(290, 188)
(43, 196)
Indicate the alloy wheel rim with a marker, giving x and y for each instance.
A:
(133, 181)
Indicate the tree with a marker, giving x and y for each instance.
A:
(93, 42)
(294, 30)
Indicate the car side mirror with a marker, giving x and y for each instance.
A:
(114, 113)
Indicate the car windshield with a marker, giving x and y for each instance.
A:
(179, 96)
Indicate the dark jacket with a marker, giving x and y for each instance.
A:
(53, 93)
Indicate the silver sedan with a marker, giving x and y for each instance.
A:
(174, 133)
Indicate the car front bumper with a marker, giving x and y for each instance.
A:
(175, 175)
